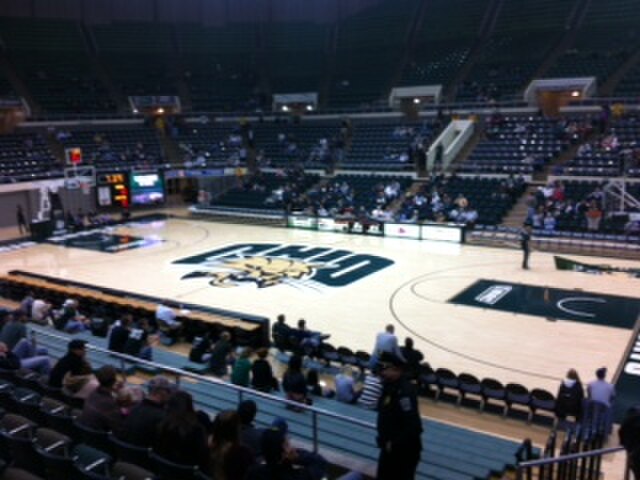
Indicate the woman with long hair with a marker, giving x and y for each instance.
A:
(230, 460)
(181, 438)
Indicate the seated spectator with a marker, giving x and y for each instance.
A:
(309, 340)
(101, 410)
(200, 349)
(181, 438)
(41, 312)
(230, 459)
(221, 355)
(8, 359)
(120, 333)
(346, 390)
(293, 381)
(630, 438)
(33, 357)
(73, 373)
(167, 321)
(262, 377)
(282, 461)
(241, 371)
(371, 391)
(139, 342)
(27, 303)
(317, 387)
(14, 329)
(69, 319)
(249, 434)
(140, 426)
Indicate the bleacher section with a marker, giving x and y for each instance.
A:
(369, 48)
(211, 145)
(525, 32)
(285, 145)
(51, 57)
(612, 154)
(26, 156)
(606, 38)
(133, 146)
(257, 192)
(444, 41)
(219, 66)
(516, 145)
(388, 145)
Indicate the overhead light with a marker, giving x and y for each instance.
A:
(160, 110)
(285, 108)
(135, 110)
(416, 101)
(575, 93)
(309, 108)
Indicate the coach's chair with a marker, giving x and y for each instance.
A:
(469, 385)
(493, 393)
(518, 396)
(543, 401)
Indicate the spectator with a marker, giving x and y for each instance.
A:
(371, 391)
(570, 396)
(230, 459)
(14, 329)
(140, 426)
(27, 303)
(294, 383)
(262, 377)
(33, 357)
(413, 357)
(139, 341)
(599, 390)
(181, 438)
(101, 410)
(316, 387)
(167, 321)
(220, 355)
(385, 342)
(249, 434)
(346, 386)
(73, 373)
(69, 319)
(241, 371)
(119, 334)
(41, 312)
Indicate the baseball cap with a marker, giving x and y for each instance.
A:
(76, 343)
(280, 424)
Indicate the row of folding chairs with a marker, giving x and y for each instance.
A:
(487, 394)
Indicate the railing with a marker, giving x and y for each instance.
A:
(589, 466)
(318, 416)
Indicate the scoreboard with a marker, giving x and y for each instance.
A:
(113, 189)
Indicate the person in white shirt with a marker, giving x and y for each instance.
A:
(599, 390)
(386, 342)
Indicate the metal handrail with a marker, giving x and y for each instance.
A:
(523, 466)
(178, 373)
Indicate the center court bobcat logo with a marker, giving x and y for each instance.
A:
(271, 264)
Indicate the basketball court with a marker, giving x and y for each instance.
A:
(469, 309)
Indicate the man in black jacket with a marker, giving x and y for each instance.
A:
(399, 422)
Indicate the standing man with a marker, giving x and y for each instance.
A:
(399, 422)
(525, 238)
(385, 342)
(23, 227)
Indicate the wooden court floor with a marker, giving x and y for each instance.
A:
(410, 290)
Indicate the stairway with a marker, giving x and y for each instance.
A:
(518, 214)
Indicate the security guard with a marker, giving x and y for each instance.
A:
(399, 423)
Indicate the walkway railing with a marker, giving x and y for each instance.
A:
(583, 466)
(320, 421)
